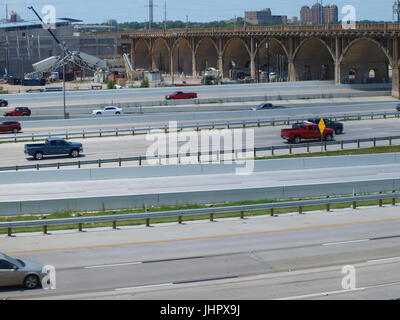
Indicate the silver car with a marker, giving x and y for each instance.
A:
(15, 272)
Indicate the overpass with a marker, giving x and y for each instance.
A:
(368, 53)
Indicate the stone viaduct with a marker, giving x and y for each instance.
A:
(368, 53)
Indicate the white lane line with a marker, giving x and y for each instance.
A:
(113, 265)
(384, 259)
(148, 286)
(344, 242)
(320, 294)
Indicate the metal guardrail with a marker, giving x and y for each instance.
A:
(114, 218)
(234, 154)
(197, 126)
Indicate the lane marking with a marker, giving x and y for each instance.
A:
(204, 237)
(344, 242)
(312, 295)
(113, 265)
(384, 259)
(148, 286)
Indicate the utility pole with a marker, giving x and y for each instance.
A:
(151, 12)
(165, 15)
(396, 10)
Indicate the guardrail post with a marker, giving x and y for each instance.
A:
(114, 222)
(100, 133)
(66, 134)
(44, 227)
(273, 123)
(9, 232)
(211, 217)
(80, 227)
(58, 165)
(290, 148)
(272, 151)
(148, 222)
(300, 210)
(119, 162)
(393, 199)
(325, 146)
(384, 115)
(133, 132)
(258, 123)
(37, 166)
(390, 141)
(83, 134)
(33, 137)
(198, 157)
(16, 168)
(374, 140)
(244, 124)
(79, 164)
(116, 132)
(272, 212)
(358, 143)
(228, 126)
(140, 160)
(99, 162)
(380, 201)
(372, 116)
(241, 214)
(180, 219)
(341, 144)
(354, 204)
(255, 152)
(328, 205)
(308, 147)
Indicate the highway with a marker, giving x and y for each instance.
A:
(218, 177)
(129, 146)
(129, 95)
(291, 256)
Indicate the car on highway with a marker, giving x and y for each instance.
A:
(10, 126)
(398, 107)
(265, 106)
(15, 272)
(337, 126)
(181, 95)
(109, 110)
(53, 146)
(3, 103)
(306, 131)
(18, 112)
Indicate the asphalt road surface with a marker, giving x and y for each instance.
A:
(130, 146)
(286, 257)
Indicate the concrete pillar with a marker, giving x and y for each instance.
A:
(396, 82)
(221, 64)
(171, 65)
(337, 73)
(252, 59)
(194, 64)
(291, 71)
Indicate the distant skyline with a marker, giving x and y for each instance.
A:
(98, 11)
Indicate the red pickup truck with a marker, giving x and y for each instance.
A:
(181, 95)
(306, 131)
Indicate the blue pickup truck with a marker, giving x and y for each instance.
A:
(53, 146)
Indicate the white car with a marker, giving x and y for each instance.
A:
(110, 110)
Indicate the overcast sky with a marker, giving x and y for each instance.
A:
(97, 11)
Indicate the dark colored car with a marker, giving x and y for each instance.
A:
(265, 106)
(18, 112)
(398, 107)
(337, 126)
(3, 103)
(53, 146)
(10, 126)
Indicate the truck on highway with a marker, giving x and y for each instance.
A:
(306, 131)
(53, 146)
(181, 95)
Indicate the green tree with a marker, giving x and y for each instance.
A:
(110, 84)
(145, 83)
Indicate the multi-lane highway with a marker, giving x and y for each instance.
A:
(293, 256)
(129, 146)
(131, 95)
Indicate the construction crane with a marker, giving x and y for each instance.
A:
(80, 59)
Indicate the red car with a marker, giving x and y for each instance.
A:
(181, 95)
(306, 131)
(18, 112)
(10, 126)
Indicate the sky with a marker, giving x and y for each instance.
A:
(98, 11)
